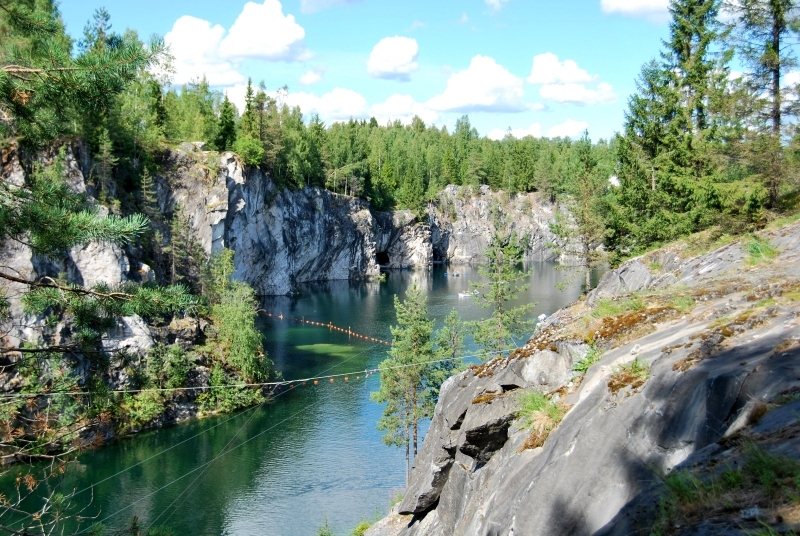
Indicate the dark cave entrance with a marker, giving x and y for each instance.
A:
(382, 258)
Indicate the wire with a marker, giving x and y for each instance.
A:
(241, 385)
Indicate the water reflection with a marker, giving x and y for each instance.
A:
(314, 452)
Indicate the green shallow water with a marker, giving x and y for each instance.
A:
(313, 453)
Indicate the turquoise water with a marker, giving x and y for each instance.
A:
(310, 455)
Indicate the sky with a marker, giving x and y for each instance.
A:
(539, 67)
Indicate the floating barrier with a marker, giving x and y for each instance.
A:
(329, 325)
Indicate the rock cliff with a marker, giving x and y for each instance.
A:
(718, 338)
(284, 237)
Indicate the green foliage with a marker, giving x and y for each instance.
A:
(141, 408)
(234, 312)
(409, 381)
(226, 130)
(533, 403)
(361, 528)
(325, 529)
(167, 366)
(591, 357)
(57, 219)
(758, 250)
(249, 150)
(606, 307)
(44, 89)
(497, 333)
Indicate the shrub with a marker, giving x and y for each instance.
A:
(759, 251)
(541, 415)
(605, 308)
(250, 150)
(633, 374)
(591, 357)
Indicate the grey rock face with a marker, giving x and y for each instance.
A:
(462, 224)
(593, 473)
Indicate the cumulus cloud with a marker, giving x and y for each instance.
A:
(393, 58)
(578, 94)
(312, 6)
(194, 43)
(403, 108)
(534, 130)
(565, 82)
(547, 69)
(654, 10)
(262, 31)
(236, 95)
(495, 4)
(338, 104)
(568, 129)
(310, 78)
(484, 86)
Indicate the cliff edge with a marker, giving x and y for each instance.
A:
(692, 371)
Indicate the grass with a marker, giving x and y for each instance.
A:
(765, 480)
(682, 304)
(758, 250)
(541, 415)
(633, 374)
(591, 357)
(605, 307)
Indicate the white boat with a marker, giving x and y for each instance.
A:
(465, 294)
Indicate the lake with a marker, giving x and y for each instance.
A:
(310, 455)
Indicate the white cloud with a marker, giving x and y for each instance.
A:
(654, 10)
(484, 86)
(236, 95)
(463, 20)
(418, 24)
(312, 6)
(393, 58)
(310, 78)
(534, 130)
(578, 93)
(337, 105)
(564, 82)
(568, 129)
(495, 4)
(404, 108)
(548, 70)
(262, 31)
(791, 78)
(194, 43)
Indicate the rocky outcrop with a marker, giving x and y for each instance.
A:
(599, 471)
(463, 222)
(285, 237)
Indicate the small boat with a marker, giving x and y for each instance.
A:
(465, 294)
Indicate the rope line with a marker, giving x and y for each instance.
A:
(208, 463)
(328, 325)
(366, 372)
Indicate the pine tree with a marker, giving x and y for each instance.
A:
(226, 128)
(583, 229)
(409, 381)
(764, 33)
(666, 156)
(498, 333)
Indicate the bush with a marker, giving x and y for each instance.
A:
(759, 250)
(250, 150)
(591, 357)
(541, 415)
(608, 307)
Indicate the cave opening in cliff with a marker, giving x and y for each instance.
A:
(438, 257)
(382, 258)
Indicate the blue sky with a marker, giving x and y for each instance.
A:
(538, 67)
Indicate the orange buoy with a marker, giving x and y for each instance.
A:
(331, 380)
(316, 382)
(358, 377)
(291, 386)
(346, 378)
(304, 384)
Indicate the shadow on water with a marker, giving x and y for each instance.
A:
(312, 453)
